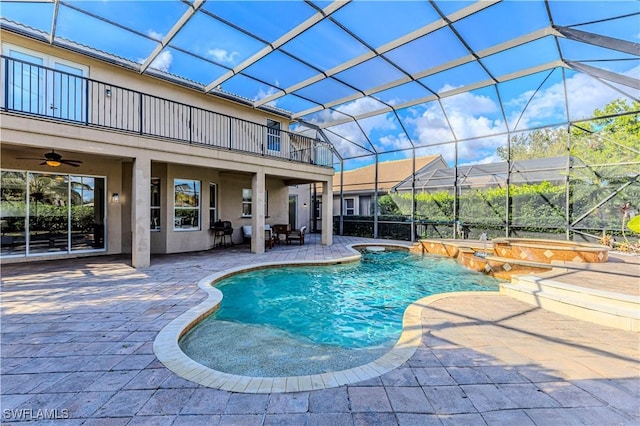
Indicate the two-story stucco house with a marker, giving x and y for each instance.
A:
(99, 158)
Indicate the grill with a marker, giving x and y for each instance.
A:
(222, 234)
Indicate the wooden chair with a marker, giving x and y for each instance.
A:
(296, 235)
(246, 233)
(269, 237)
(280, 232)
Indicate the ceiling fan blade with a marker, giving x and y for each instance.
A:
(43, 163)
(29, 158)
(73, 163)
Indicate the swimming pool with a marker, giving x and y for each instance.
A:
(313, 319)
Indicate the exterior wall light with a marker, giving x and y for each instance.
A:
(107, 92)
(115, 197)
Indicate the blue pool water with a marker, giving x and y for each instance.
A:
(354, 308)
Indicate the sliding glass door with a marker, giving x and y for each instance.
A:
(48, 213)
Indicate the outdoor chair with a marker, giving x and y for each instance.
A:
(296, 235)
(269, 235)
(246, 233)
(280, 232)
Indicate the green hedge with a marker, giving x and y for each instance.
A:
(536, 209)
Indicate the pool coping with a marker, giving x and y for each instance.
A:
(168, 352)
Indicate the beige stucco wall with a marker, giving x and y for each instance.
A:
(230, 201)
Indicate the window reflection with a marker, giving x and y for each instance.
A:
(186, 204)
(13, 208)
(44, 213)
(48, 213)
(87, 213)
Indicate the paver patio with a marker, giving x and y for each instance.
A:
(77, 341)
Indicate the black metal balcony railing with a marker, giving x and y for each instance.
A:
(41, 91)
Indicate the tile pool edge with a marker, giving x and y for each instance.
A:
(168, 352)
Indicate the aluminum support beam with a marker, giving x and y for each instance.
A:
(624, 80)
(54, 21)
(612, 43)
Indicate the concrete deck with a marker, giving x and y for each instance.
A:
(77, 340)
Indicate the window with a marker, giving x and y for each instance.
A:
(155, 204)
(213, 202)
(247, 195)
(246, 202)
(186, 215)
(273, 135)
(56, 92)
(349, 207)
(365, 206)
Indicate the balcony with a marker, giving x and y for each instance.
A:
(39, 91)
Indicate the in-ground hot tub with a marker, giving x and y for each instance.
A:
(547, 251)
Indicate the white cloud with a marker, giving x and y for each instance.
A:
(585, 95)
(474, 117)
(469, 103)
(163, 61)
(262, 93)
(223, 56)
(155, 35)
(394, 142)
(351, 131)
(489, 159)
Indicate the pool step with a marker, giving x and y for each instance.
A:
(506, 268)
(601, 307)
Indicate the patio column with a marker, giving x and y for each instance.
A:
(327, 212)
(257, 212)
(140, 207)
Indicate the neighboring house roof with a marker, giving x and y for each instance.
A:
(494, 174)
(390, 173)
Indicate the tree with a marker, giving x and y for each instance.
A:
(541, 143)
(612, 138)
(388, 207)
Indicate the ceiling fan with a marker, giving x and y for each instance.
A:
(53, 159)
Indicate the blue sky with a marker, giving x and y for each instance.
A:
(210, 44)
